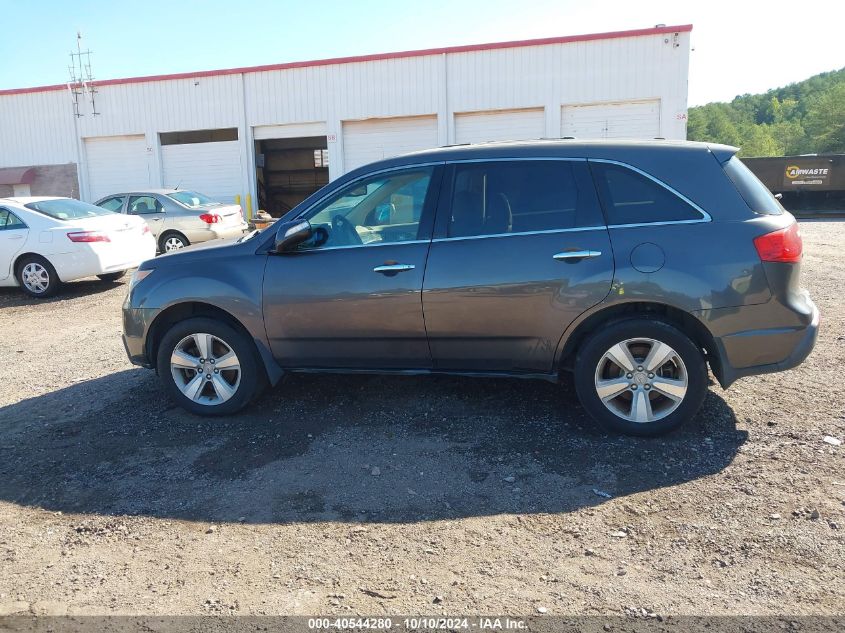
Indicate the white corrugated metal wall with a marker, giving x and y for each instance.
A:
(39, 127)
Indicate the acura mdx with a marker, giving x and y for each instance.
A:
(633, 265)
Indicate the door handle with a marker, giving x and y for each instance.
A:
(566, 256)
(392, 269)
(16, 237)
(156, 219)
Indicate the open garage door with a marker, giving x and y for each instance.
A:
(624, 119)
(212, 168)
(116, 164)
(499, 125)
(291, 163)
(374, 139)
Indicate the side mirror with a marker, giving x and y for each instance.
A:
(291, 234)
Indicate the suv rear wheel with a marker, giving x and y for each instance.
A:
(209, 367)
(640, 377)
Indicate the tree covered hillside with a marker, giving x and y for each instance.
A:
(802, 118)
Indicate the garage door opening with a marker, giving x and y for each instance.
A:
(288, 170)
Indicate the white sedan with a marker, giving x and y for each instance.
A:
(47, 241)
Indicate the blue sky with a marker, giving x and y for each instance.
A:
(739, 46)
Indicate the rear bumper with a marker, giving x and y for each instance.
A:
(768, 350)
(196, 236)
(99, 259)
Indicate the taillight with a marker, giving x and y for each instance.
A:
(145, 229)
(88, 236)
(210, 218)
(241, 211)
(783, 245)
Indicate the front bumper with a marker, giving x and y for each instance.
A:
(136, 327)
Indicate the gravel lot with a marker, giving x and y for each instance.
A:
(378, 495)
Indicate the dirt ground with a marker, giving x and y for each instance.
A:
(399, 495)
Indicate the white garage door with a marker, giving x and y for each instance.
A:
(499, 125)
(116, 164)
(210, 168)
(629, 119)
(374, 139)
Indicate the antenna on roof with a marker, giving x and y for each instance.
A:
(81, 79)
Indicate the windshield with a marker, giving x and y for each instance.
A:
(67, 209)
(191, 199)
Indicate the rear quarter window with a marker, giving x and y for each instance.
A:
(629, 197)
(758, 198)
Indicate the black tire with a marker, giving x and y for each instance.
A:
(253, 378)
(593, 349)
(162, 240)
(112, 276)
(53, 282)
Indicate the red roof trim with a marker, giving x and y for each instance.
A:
(566, 39)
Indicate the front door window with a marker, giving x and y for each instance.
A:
(382, 209)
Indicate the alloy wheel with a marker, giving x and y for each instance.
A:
(173, 244)
(641, 380)
(205, 369)
(35, 277)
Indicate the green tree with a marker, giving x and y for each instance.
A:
(758, 141)
(804, 117)
(825, 120)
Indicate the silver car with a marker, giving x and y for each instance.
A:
(178, 218)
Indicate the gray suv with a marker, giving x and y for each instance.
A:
(633, 265)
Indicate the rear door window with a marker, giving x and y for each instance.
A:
(502, 197)
(142, 205)
(629, 197)
(9, 221)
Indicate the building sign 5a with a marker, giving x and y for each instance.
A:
(807, 173)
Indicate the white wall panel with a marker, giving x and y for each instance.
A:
(375, 139)
(36, 128)
(116, 164)
(165, 106)
(500, 125)
(210, 168)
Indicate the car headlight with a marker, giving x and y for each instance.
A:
(137, 276)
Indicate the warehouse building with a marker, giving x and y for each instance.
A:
(271, 135)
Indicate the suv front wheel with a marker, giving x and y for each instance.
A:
(640, 377)
(209, 367)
